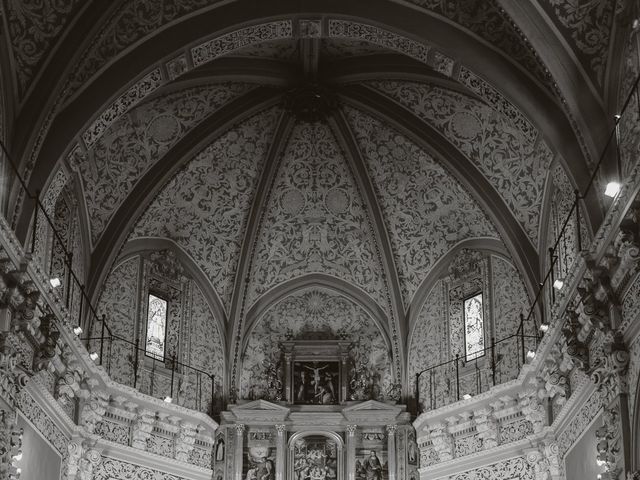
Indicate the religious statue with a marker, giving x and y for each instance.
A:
(373, 467)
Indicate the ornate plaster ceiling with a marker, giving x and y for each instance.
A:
(359, 145)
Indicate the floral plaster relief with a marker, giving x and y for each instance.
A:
(514, 166)
(204, 207)
(316, 220)
(426, 210)
(136, 141)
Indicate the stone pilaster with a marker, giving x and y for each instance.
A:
(281, 449)
(391, 451)
(351, 451)
(239, 453)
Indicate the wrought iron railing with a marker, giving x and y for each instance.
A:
(544, 300)
(43, 245)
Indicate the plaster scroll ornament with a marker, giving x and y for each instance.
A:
(93, 410)
(82, 459)
(10, 442)
(609, 440)
(141, 428)
(576, 348)
(533, 409)
(487, 427)
(539, 463)
(442, 441)
(47, 348)
(609, 371)
(185, 441)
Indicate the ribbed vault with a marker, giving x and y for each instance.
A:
(281, 144)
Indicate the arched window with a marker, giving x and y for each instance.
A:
(473, 327)
(156, 327)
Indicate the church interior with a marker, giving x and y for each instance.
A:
(303, 240)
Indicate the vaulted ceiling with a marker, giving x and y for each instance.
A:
(282, 144)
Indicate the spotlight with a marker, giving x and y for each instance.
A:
(617, 116)
(77, 330)
(168, 399)
(544, 327)
(93, 356)
(466, 396)
(558, 284)
(613, 188)
(531, 354)
(55, 282)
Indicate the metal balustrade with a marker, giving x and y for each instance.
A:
(544, 300)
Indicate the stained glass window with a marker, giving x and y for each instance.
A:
(156, 327)
(473, 327)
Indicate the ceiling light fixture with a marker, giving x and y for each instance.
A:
(168, 399)
(77, 330)
(544, 327)
(558, 284)
(531, 354)
(613, 188)
(93, 356)
(466, 396)
(55, 282)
